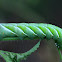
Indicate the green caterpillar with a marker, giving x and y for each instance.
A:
(21, 31)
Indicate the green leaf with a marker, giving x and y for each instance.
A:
(17, 57)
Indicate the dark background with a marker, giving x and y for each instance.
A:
(29, 11)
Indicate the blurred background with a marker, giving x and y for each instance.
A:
(32, 11)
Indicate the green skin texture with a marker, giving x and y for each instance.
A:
(26, 31)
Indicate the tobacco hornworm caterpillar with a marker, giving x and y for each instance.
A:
(21, 31)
